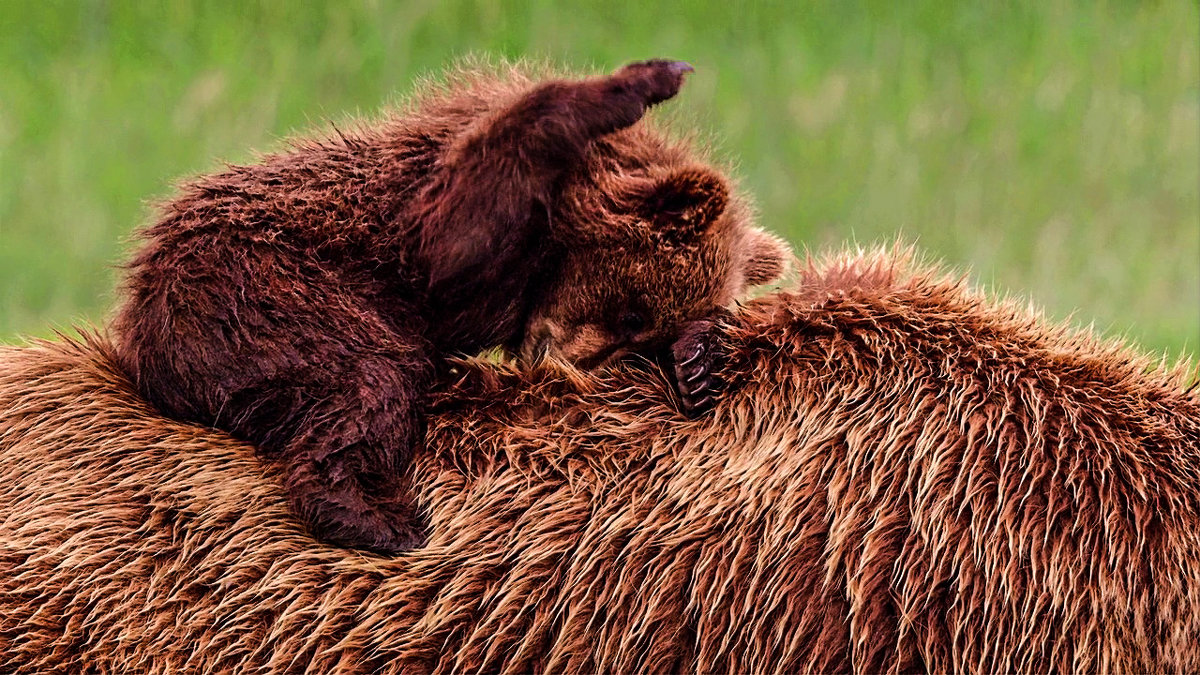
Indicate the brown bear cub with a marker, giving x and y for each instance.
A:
(306, 303)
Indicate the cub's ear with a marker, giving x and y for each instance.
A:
(766, 259)
(685, 202)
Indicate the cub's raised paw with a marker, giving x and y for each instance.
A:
(696, 356)
(655, 80)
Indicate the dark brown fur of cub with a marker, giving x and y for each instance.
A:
(305, 302)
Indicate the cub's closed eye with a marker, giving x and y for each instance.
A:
(632, 322)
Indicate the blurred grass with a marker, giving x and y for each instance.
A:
(1051, 147)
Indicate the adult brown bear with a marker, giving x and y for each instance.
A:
(905, 477)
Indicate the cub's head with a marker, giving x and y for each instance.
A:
(650, 248)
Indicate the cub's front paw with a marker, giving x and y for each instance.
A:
(655, 80)
(696, 356)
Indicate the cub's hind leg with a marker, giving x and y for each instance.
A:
(347, 461)
(313, 377)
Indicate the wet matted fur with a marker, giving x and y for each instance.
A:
(906, 476)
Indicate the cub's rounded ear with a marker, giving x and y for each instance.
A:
(685, 202)
(767, 257)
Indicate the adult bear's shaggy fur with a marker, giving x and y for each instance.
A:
(906, 477)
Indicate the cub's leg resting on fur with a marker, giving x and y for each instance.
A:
(344, 464)
(335, 394)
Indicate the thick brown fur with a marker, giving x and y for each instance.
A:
(907, 477)
(305, 303)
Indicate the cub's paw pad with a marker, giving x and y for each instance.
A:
(655, 81)
(696, 356)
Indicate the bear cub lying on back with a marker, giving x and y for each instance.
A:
(306, 303)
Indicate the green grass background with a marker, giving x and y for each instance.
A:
(1050, 147)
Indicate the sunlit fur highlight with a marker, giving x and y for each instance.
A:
(905, 476)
